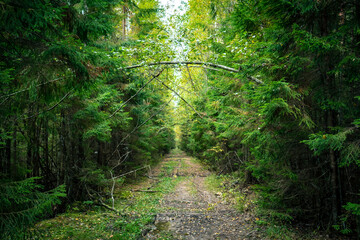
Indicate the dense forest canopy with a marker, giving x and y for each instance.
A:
(265, 90)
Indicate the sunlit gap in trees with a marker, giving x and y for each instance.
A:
(171, 17)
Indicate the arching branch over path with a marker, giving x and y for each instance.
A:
(204, 64)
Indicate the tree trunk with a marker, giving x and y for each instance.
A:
(15, 156)
(8, 156)
(124, 21)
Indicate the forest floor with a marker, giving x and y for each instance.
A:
(178, 199)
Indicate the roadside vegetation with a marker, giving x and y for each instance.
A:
(94, 93)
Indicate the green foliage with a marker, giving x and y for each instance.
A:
(22, 204)
(137, 214)
(351, 154)
(65, 110)
(285, 130)
(321, 142)
(101, 132)
(354, 208)
(70, 112)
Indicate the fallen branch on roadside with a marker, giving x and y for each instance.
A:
(147, 191)
(133, 171)
(107, 207)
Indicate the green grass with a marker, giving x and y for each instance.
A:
(169, 168)
(192, 188)
(184, 164)
(137, 212)
(230, 194)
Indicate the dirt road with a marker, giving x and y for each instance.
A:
(194, 212)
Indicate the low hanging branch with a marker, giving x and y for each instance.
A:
(203, 64)
(153, 77)
(180, 97)
(190, 78)
(27, 89)
(142, 124)
(51, 108)
(184, 63)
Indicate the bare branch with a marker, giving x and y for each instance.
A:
(147, 191)
(52, 107)
(180, 98)
(255, 79)
(186, 90)
(119, 108)
(101, 204)
(121, 159)
(207, 65)
(136, 128)
(184, 63)
(112, 189)
(147, 166)
(191, 80)
(210, 68)
(139, 126)
(27, 89)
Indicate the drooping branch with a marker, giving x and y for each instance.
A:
(190, 78)
(142, 124)
(258, 81)
(153, 77)
(184, 63)
(52, 107)
(203, 64)
(180, 97)
(27, 89)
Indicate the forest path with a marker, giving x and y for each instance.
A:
(192, 211)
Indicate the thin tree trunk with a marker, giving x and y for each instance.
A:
(124, 21)
(329, 83)
(15, 156)
(8, 156)
(36, 149)
(48, 173)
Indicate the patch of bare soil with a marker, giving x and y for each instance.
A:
(193, 212)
